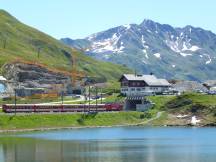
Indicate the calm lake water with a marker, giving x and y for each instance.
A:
(129, 144)
(2, 88)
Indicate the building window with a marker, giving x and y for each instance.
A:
(138, 89)
(132, 89)
(154, 88)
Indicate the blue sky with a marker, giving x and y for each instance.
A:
(80, 18)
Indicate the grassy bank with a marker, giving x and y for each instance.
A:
(190, 104)
(36, 121)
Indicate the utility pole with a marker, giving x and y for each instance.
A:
(89, 98)
(96, 97)
(101, 96)
(62, 93)
(15, 99)
(62, 97)
(85, 102)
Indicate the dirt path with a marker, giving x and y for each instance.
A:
(150, 120)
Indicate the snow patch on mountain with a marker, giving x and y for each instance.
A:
(108, 45)
(209, 59)
(185, 54)
(192, 48)
(179, 47)
(173, 45)
(127, 26)
(146, 54)
(185, 48)
(172, 36)
(190, 30)
(143, 41)
(149, 31)
(157, 55)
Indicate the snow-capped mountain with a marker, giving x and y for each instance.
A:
(183, 53)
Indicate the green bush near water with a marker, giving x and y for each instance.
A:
(147, 115)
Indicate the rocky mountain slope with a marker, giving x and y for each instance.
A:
(20, 43)
(181, 53)
(35, 78)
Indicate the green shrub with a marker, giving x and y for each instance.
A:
(198, 107)
(179, 102)
(147, 115)
(80, 121)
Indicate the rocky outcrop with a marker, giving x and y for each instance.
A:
(34, 78)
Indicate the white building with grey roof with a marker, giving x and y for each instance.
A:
(142, 85)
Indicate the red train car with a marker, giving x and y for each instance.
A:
(38, 108)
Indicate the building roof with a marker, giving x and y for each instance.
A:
(2, 78)
(151, 80)
(164, 82)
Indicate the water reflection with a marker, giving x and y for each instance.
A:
(34, 150)
(1, 153)
(190, 145)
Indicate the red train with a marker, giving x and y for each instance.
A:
(38, 108)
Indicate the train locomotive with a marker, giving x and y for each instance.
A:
(40, 108)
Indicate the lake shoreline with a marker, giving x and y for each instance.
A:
(49, 122)
(89, 127)
(59, 128)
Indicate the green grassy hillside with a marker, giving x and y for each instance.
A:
(21, 42)
(192, 103)
(201, 105)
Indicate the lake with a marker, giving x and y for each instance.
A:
(121, 144)
(2, 88)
